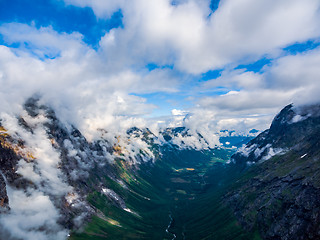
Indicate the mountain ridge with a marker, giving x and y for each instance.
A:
(279, 193)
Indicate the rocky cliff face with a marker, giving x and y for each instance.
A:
(10, 153)
(279, 193)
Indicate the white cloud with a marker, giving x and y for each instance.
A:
(288, 79)
(33, 214)
(43, 170)
(92, 89)
(294, 70)
(185, 34)
(35, 207)
(249, 100)
(102, 8)
(177, 112)
(236, 79)
(78, 84)
(31, 211)
(42, 42)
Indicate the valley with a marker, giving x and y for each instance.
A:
(143, 186)
(176, 197)
(268, 189)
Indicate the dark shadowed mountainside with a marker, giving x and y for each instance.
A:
(279, 192)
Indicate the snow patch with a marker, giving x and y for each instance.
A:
(304, 155)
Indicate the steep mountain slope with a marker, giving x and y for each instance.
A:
(279, 194)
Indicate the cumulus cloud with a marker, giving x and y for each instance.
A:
(196, 40)
(43, 42)
(288, 79)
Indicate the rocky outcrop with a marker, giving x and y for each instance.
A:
(8, 161)
(4, 201)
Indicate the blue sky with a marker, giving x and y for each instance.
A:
(195, 56)
(61, 17)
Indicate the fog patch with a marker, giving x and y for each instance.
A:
(32, 216)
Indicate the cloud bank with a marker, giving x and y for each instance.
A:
(101, 88)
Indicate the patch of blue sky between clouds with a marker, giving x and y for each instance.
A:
(256, 66)
(212, 74)
(293, 49)
(184, 99)
(62, 18)
(302, 47)
(153, 66)
(165, 102)
(214, 4)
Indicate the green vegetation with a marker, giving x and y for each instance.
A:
(186, 185)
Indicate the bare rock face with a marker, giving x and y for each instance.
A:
(279, 193)
(8, 161)
(4, 201)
